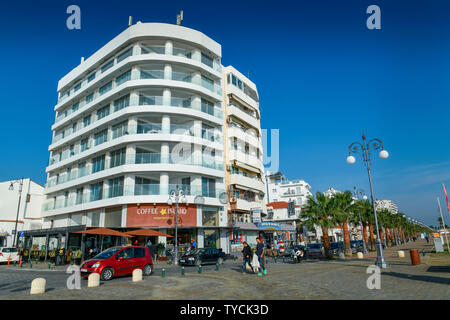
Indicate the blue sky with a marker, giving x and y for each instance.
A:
(322, 76)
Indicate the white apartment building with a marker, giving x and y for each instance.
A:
(29, 215)
(386, 204)
(135, 121)
(281, 189)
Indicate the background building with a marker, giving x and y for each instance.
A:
(29, 212)
(386, 204)
(281, 189)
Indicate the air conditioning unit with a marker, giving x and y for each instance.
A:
(228, 167)
(229, 120)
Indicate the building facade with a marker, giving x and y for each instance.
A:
(386, 204)
(281, 189)
(141, 118)
(29, 215)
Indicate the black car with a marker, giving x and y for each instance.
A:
(335, 247)
(357, 246)
(199, 257)
(314, 250)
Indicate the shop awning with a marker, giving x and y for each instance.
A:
(148, 233)
(105, 232)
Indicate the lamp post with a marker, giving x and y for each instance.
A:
(11, 188)
(176, 196)
(365, 148)
(364, 197)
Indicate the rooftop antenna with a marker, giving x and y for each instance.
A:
(180, 18)
(130, 21)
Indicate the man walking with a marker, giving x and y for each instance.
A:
(247, 254)
(260, 254)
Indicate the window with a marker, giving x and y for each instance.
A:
(208, 187)
(101, 137)
(126, 254)
(103, 112)
(123, 78)
(124, 55)
(119, 130)
(84, 145)
(107, 65)
(207, 60)
(234, 80)
(97, 191)
(105, 88)
(89, 98)
(207, 83)
(81, 170)
(210, 218)
(117, 158)
(145, 187)
(207, 107)
(98, 164)
(122, 103)
(75, 106)
(91, 77)
(115, 187)
(86, 121)
(79, 198)
(139, 252)
(77, 87)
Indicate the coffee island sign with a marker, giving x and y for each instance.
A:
(161, 215)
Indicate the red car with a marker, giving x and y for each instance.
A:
(118, 261)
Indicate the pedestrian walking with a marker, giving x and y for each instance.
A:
(260, 254)
(247, 255)
(426, 238)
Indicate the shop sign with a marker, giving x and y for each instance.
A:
(256, 215)
(161, 215)
(268, 225)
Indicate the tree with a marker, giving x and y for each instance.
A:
(364, 208)
(317, 213)
(342, 211)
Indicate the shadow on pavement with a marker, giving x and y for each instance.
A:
(439, 269)
(419, 278)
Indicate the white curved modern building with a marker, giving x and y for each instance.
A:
(139, 118)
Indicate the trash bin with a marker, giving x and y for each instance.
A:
(415, 257)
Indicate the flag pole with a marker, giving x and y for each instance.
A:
(443, 224)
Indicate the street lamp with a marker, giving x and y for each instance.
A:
(364, 197)
(176, 196)
(365, 148)
(11, 188)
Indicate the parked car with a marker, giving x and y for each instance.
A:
(335, 247)
(203, 256)
(118, 261)
(314, 250)
(357, 246)
(11, 254)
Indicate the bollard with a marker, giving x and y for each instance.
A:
(93, 280)
(15, 263)
(163, 272)
(341, 255)
(415, 258)
(37, 286)
(217, 266)
(21, 264)
(182, 271)
(284, 260)
(137, 275)
(423, 252)
(31, 265)
(49, 265)
(200, 269)
(401, 254)
(360, 255)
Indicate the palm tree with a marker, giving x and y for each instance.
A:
(342, 210)
(364, 208)
(317, 213)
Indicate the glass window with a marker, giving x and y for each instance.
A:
(119, 129)
(105, 88)
(207, 60)
(89, 98)
(115, 187)
(84, 145)
(117, 158)
(234, 80)
(98, 164)
(107, 65)
(207, 107)
(86, 121)
(101, 137)
(122, 103)
(124, 55)
(79, 198)
(77, 87)
(75, 106)
(91, 77)
(210, 218)
(123, 78)
(208, 187)
(139, 252)
(97, 191)
(126, 254)
(103, 112)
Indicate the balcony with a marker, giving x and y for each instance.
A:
(244, 116)
(248, 182)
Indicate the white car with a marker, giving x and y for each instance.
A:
(11, 254)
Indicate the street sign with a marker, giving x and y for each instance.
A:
(439, 244)
(21, 234)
